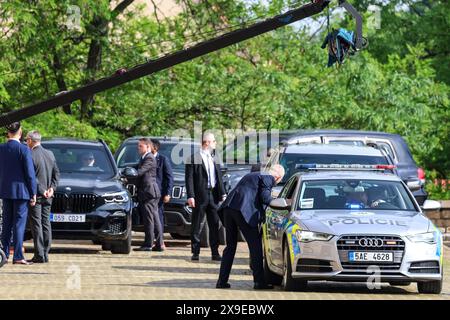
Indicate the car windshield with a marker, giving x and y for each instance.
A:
(290, 161)
(354, 194)
(85, 160)
(176, 152)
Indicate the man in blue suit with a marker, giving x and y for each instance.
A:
(244, 208)
(17, 189)
(164, 178)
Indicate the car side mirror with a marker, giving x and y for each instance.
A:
(130, 172)
(431, 205)
(414, 185)
(279, 204)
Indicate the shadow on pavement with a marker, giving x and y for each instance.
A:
(353, 287)
(206, 258)
(177, 270)
(66, 250)
(168, 243)
(193, 284)
(349, 288)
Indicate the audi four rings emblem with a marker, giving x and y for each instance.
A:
(371, 242)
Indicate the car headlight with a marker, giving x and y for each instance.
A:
(308, 236)
(118, 197)
(427, 237)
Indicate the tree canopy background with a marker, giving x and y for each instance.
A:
(399, 84)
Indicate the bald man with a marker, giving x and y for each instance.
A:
(205, 190)
(244, 209)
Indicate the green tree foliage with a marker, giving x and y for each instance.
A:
(277, 80)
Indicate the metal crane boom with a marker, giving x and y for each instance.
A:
(170, 60)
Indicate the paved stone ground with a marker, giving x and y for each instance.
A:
(80, 270)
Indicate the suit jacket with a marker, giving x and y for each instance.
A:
(164, 175)
(146, 181)
(17, 175)
(47, 172)
(251, 196)
(197, 180)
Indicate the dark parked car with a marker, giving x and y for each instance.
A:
(295, 158)
(90, 201)
(393, 144)
(178, 215)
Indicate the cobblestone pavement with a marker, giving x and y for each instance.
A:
(80, 270)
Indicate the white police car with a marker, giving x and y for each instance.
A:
(353, 223)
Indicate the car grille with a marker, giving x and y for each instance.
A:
(424, 267)
(77, 203)
(376, 243)
(313, 265)
(117, 226)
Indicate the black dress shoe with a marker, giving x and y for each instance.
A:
(143, 249)
(216, 257)
(158, 249)
(195, 257)
(37, 260)
(221, 285)
(262, 286)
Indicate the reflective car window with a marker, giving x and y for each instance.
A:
(354, 194)
(290, 160)
(82, 159)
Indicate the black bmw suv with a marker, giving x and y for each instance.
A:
(91, 201)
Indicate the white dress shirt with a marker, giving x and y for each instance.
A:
(210, 167)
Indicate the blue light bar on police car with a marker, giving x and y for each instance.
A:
(335, 166)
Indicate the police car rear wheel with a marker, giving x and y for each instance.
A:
(288, 283)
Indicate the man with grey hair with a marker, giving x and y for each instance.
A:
(244, 209)
(205, 189)
(47, 176)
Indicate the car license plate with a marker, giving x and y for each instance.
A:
(76, 218)
(371, 256)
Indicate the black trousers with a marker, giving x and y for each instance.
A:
(152, 226)
(41, 228)
(208, 210)
(161, 214)
(234, 221)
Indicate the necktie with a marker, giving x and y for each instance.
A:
(211, 171)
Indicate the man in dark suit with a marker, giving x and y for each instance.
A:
(244, 209)
(47, 177)
(148, 197)
(205, 190)
(17, 189)
(164, 177)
